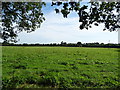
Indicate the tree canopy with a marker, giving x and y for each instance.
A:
(27, 16)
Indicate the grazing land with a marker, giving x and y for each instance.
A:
(59, 67)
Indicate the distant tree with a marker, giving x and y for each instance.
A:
(79, 44)
(54, 44)
(63, 43)
(102, 43)
(25, 44)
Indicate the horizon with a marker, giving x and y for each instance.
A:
(62, 41)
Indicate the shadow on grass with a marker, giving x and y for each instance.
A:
(118, 50)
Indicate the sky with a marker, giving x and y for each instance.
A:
(56, 29)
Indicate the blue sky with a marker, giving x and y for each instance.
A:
(56, 29)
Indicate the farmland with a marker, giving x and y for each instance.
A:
(59, 67)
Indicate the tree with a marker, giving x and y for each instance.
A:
(63, 43)
(79, 44)
(20, 16)
(100, 12)
(27, 16)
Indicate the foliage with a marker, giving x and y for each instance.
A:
(20, 16)
(99, 12)
(60, 67)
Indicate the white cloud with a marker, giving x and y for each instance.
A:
(57, 29)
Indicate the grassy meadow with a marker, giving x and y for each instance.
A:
(59, 67)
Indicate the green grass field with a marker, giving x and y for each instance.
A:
(59, 67)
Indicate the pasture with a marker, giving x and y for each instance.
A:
(59, 67)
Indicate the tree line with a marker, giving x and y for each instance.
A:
(65, 44)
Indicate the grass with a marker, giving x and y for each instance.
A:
(60, 67)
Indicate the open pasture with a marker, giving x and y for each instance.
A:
(59, 67)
